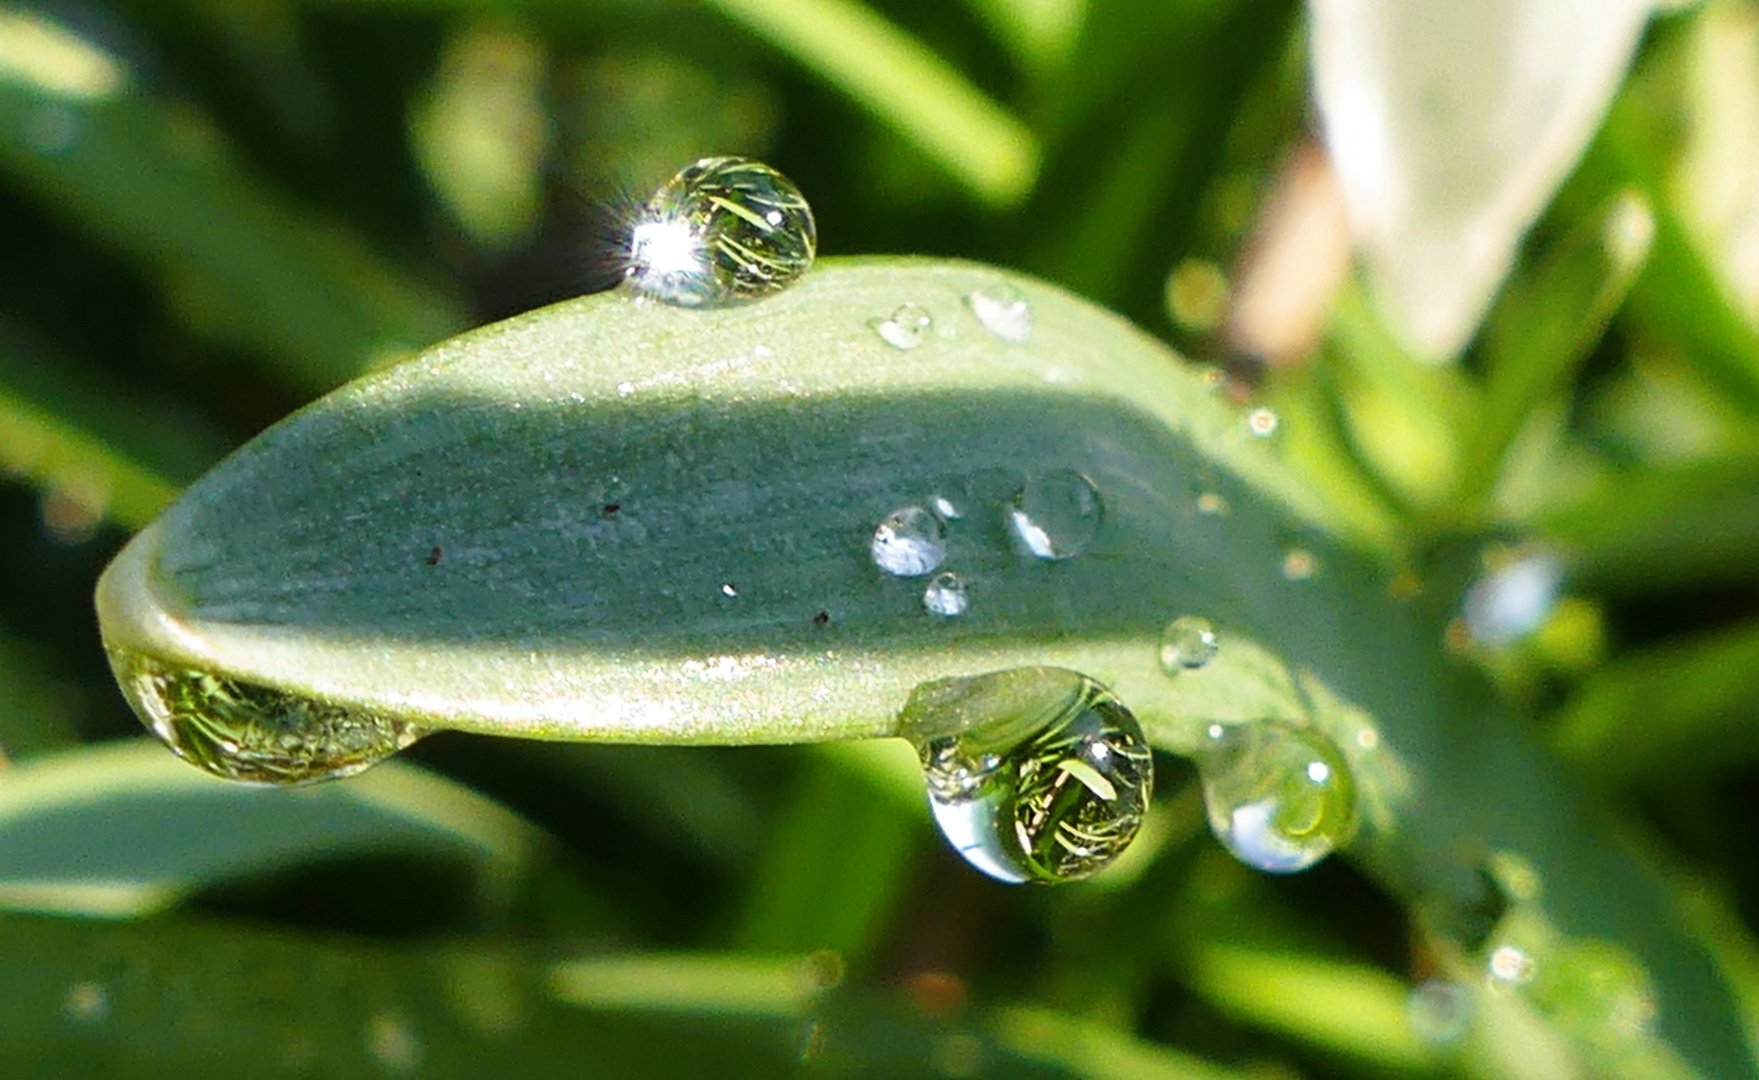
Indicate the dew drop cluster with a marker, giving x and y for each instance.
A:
(721, 231)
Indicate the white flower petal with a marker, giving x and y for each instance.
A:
(1450, 124)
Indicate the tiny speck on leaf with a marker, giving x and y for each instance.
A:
(821, 618)
(433, 557)
(610, 509)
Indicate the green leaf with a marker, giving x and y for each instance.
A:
(124, 829)
(617, 520)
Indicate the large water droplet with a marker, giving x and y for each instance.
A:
(910, 542)
(1187, 642)
(723, 230)
(241, 731)
(1035, 774)
(1056, 515)
(1279, 797)
(946, 595)
(905, 328)
(1003, 310)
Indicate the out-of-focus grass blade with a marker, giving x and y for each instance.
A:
(832, 870)
(1092, 1050)
(734, 984)
(1039, 33)
(1406, 419)
(1549, 318)
(155, 179)
(904, 84)
(186, 998)
(1664, 526)
(65, 429)
(125, 829)
(1654, 713)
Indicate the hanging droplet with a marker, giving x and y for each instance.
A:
(910, 542)
(1262, 422)
(241, 731)
(1188, 642)
(905, 328)
(1035, 774)
(1056, 515)
(946, 595)
(1003, 310)
(1279, 797)
(722, 231)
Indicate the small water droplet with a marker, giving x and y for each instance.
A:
(1514, 599)
(1003, 310)
(905, 328)
(1212, 504)
(86, 1003)
(721, 231)
(1599, 988)
(1035, 774)
(946, 595)
(1299, 564)
(1188, 642)
(1439, 1011)
(1279, 797)
(946, 509)
(1511, 965)
(910, 542)
(1057, 515)
(728, 589)
(241, 731)
(1262, 422)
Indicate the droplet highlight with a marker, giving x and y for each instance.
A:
(722, 231)
(1035, 774)
(1279, 797)
(1262, 422)
(910, 542)
(1514, 599)
(947, 596)
(1056, 516)
(1187, 643)
(905, 328)
(242, 731)
(1003, 310)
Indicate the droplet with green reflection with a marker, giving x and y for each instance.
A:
(242, 731)
(1279, 797)
(1034, 774)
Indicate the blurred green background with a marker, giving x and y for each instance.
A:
(212, 211)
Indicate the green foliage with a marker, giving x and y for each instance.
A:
(216, 212)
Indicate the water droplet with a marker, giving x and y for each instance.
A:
(1439, 1011)
(1212, 504)
(1003, 310)
(624, 389)
(946, 595)
(1279, 797)
(1513, 600)
(86, 1003)
(1299, 564)
(1511, 965)
(1262, 422)
(242, 731)
(1034, 774)
(906, 328)
(728, 589)
(1188, 642)
(946, 509)
(1057, 515)
(910, 542)
(721, 231)
(1598, 988)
